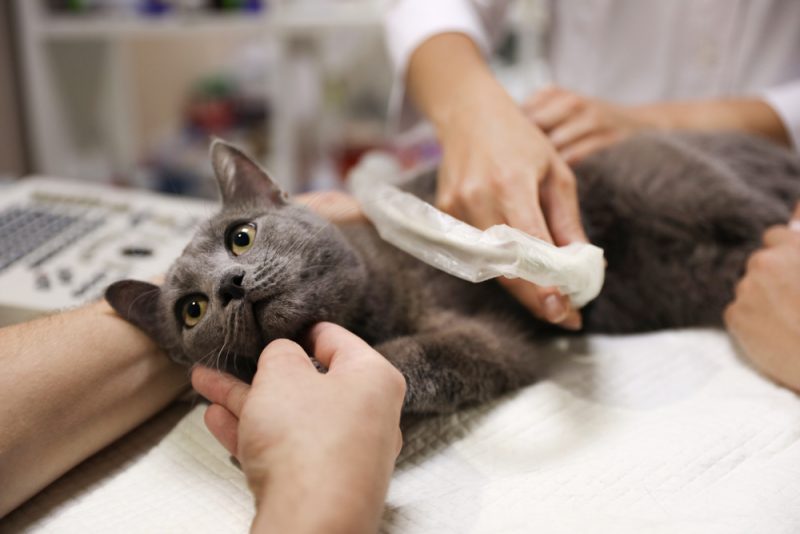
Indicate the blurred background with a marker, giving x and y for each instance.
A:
(129, 92)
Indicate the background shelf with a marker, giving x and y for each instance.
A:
(305, 85)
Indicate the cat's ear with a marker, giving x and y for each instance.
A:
(137, 303)
(242, 179)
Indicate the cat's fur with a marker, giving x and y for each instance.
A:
(677, 216)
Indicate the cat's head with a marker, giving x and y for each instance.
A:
(262, 268)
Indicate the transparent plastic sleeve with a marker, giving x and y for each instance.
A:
(462, 250)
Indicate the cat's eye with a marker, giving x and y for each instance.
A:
(193, 309)
(242, 238)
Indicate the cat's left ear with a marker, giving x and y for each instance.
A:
(241, 179)
(137, 303)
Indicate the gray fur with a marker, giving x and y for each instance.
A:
(677, 215)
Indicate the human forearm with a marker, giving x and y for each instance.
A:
(347, 498)
(71, 384)
(579, 126)
(445, 73)
(750, 115)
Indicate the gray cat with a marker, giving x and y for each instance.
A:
(677, 216)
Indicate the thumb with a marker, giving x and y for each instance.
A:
(281, 356)
(794, 222)
(333, 346)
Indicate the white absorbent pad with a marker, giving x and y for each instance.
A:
(666, 433)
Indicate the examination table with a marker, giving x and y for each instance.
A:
(656, 433)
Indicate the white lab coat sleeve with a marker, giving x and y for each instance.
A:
(409, 23)
(785, 100)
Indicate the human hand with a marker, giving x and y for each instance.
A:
(765, 316)
(497, 168)
(579, 126)
(318, 449)
(336, 206)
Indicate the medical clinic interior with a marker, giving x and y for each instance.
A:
(400, 266)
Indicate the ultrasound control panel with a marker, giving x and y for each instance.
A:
(62, 243)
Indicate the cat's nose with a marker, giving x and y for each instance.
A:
(231, 287)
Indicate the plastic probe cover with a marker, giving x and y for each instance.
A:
(416, 227)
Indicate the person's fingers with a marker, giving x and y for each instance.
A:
(481, 215)
(466, 197)
(545, 303)
(281, 356)
(336, 206)
(560, 204)
(399, 444)
(573, 129)
(517, 201)
(585, 147)
(731, 317)
(540, 97)
(521, 214)
(556, 110)
(224, 426)
(794, 223)
(446, 192)
(736, 314)
(330, 343)
(220, 388)
(556, 307)
(553, 306)
(476, 205)
(777, 235)
(574, 320)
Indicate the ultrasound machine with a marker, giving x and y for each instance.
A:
(62, 243)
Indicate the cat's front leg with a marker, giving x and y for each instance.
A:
(464, 363)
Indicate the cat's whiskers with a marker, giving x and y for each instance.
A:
(209, 358)
(266, 266)
(293, 252)
(286, 255)
(206, 358)
(217, 358)
(236, 322)
(227, 339)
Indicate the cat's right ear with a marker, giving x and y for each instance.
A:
(137, 303)
(241, 179)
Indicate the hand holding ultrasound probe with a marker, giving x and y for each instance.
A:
(506, 163)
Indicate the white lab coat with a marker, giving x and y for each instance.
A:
(634, 51)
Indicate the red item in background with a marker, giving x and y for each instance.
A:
(213, 116)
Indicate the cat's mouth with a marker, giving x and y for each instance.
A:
(273, 321)
(261, 317)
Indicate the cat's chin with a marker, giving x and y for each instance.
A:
(261, 317)
(272, 326)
